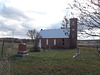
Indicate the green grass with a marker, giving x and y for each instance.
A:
(42, 62)
(55, 62)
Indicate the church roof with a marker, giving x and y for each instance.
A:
(54, 33)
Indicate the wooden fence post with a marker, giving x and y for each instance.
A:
(2, 48)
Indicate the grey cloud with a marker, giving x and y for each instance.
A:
(26, 25)
(12, 13)
(20, 32)
(3, 26)
(6, 27)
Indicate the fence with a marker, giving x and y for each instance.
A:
(85, 50)
(88, 49)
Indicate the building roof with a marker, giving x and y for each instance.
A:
(54, 33)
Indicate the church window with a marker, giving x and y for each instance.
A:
(46, 41)
(63, 42)
(54, 41)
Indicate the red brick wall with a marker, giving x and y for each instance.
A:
(59, 43)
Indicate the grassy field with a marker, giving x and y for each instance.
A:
(54, 62)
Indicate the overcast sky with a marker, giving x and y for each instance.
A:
(19, 16)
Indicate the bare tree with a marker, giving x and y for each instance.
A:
(33, 34)
(64, 22)
(88, 13)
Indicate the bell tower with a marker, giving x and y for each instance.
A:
(73, 33)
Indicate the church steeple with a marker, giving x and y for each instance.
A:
(73, 32)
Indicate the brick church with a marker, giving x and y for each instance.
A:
(59, 38)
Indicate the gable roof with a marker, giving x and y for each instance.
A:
(54, 33)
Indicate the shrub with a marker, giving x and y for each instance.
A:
(35, 49)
